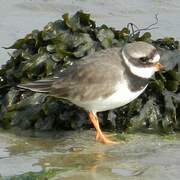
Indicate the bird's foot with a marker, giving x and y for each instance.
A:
(99, 134)
(103, 139)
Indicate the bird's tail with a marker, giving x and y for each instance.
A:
(43, 86)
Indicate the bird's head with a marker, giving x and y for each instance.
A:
(141, 58)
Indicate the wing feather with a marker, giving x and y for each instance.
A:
(91, 78)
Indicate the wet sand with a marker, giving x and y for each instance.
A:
(76, 155)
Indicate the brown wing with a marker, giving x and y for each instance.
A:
(96, 76)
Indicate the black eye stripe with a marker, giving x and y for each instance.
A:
(144, 59)
(147, 58)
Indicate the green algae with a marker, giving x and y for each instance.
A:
(44, 175)
(44, 53)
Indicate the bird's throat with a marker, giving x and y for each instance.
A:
(135, 83)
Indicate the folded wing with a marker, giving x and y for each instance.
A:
(92, 78)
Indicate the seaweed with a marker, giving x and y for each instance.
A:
(43, 175)
(58, 45)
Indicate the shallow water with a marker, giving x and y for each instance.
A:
(76, 155)
(19, 17)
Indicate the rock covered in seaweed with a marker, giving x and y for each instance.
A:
(44, 53)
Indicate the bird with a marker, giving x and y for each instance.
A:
(105, 80)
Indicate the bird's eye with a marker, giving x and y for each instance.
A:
(144, 59)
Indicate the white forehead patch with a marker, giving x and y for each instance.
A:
(144, 72)
(155, 59)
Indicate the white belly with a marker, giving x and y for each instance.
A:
(121, 97)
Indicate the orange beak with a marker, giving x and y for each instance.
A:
(158, 66)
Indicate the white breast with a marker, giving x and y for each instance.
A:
(121, 97)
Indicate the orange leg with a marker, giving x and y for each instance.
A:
(99, 134)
